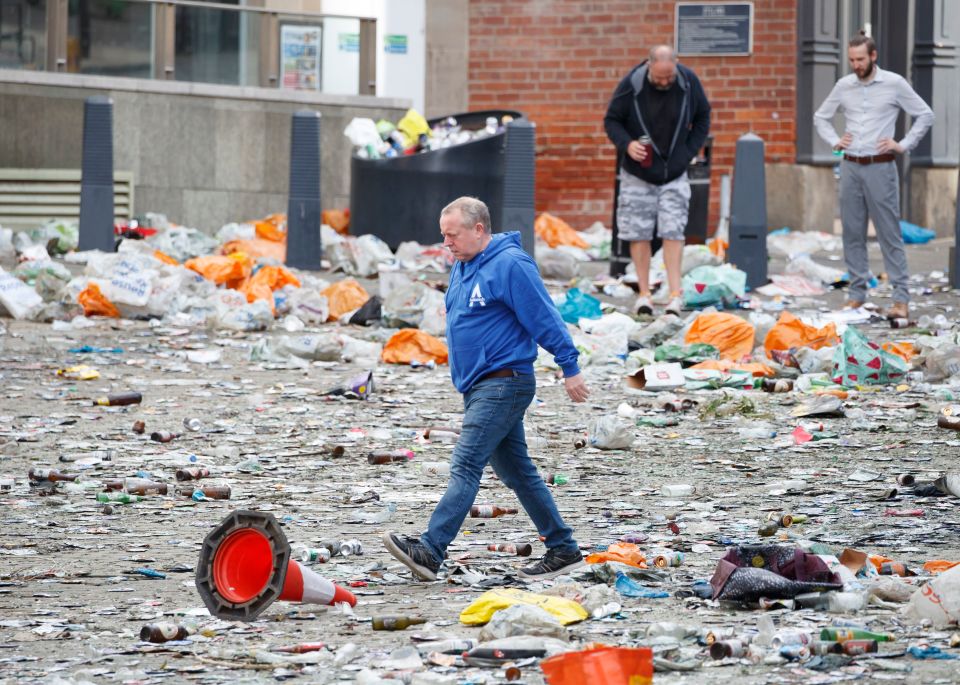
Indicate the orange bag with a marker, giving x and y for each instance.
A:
(273, 227)
(554, 231)
(95, 303)
(939, 565)
(790, 332)
(902, 349)
(165, 258)
(230, 270)
(411, 344)
(726, 365)
(729, 333)
(261, 285)
(337, 219)
(343, 297)
(624, 552)
(258, 248)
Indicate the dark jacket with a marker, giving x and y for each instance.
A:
(624, 123)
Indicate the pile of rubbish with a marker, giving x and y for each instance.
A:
(764, 485)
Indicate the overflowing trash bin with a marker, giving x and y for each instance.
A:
(399, 198)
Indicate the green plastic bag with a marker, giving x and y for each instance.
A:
(578, 305)
(686, 354)
(707, 285)
(857, 361)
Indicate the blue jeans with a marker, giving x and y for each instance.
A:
(493, 432)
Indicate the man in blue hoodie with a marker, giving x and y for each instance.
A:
(497, 313)
(658, 118)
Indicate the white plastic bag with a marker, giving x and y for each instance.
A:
(369, 252)
(18, 298)
(557, 264)
(611, 433)
(938, 600)
(309, 306)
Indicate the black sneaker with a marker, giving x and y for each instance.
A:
(413, 554)
(554, 563)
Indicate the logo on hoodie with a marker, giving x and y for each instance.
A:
(476, 297)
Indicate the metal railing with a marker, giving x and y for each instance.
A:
(192, 40)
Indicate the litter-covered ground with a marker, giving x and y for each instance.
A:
(699, 470)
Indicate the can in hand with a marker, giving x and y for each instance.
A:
(647, 143)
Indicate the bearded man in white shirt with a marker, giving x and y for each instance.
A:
(871, 99)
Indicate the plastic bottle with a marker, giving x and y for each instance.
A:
(669, 629)
(757, 433)
(119, 399)
(163, 632)
(192, 424)
(396, 622)
(790, 637)
(451, 646)
(521, 550)
(489, 511)
(436, 468)
(677, 490)
(50, 475)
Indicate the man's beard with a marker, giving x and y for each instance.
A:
(869, 71)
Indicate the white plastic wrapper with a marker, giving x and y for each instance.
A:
(18, 298)
(611, 433)
(938, 600)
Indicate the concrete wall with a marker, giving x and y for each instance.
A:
(204, 155)
(801, 197)
(933, 199)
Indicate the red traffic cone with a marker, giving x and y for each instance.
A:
(245, 566)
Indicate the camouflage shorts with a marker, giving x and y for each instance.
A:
(642, 206)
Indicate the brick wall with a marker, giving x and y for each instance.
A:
(559, 61)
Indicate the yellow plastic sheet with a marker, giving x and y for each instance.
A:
(482, 609)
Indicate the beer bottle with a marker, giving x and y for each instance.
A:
(489, 511)
(50, 475)
(192, 473)
(208, 491)
(118, 498)
(857, 647)
(389, 457)
(163, 436)
(119, 399)
(139, 427)
(396, 622)
(162, 632)
(844, 634)
(521, 550)
(144, 486)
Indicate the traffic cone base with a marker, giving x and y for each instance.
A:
(245, 566)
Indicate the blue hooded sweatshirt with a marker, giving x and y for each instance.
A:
(497, 313)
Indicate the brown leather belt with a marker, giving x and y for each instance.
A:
(875, 159)
(502, 373)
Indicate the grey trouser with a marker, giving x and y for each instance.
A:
(874, 190)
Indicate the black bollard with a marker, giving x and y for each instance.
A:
(519, 181)
(748, 212)
(304, 250)
(954, 251)
(96, 181)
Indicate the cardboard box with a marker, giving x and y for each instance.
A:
(656, 377)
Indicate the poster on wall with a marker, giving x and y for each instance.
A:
(714, 28)
(300, 57)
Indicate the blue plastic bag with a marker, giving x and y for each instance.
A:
(915, 235)
(578, 305)
(631, 588)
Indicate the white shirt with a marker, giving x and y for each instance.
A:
(871, 111)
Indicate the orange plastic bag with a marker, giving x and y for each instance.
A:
(258, 248)
(791, 332)
(554, 231)
(261, 285)
(230, 270)
(729, 333)
(755, 369)
(343, 297)
(904, 349)
(600, 665)
(95, 303)
(624, 552)
(165, 258)
(273, 227)
(337, 219)
(718, 247)
(939, 565)
(409, 344)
